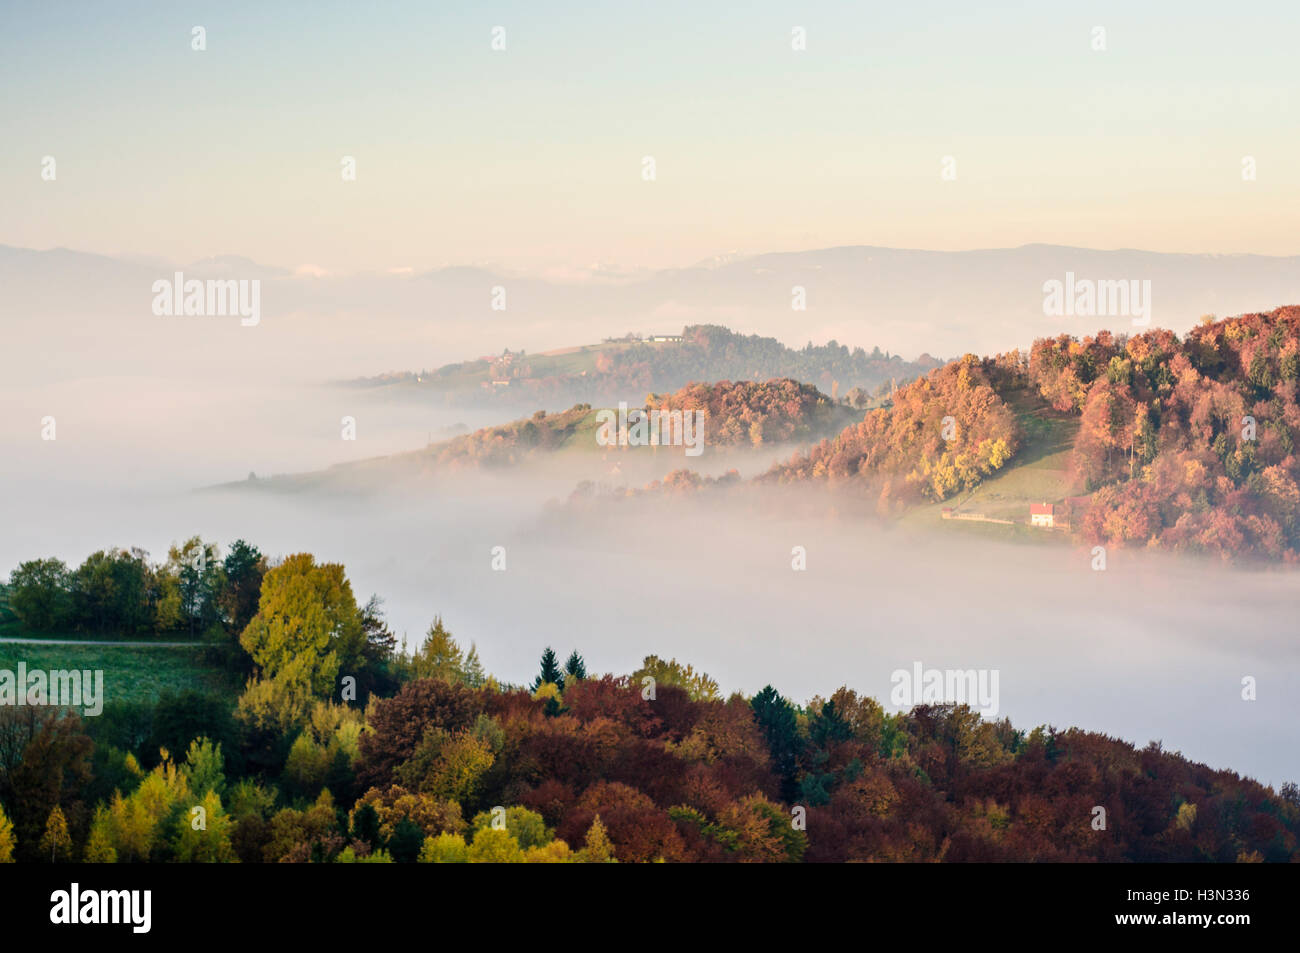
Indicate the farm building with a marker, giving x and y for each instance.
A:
(1042, 514)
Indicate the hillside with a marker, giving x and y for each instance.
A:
(942, 434)
(737, 416)
(1149, 440)
(1145, 440)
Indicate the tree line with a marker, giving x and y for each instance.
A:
(344, 747)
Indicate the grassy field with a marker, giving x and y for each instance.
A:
(1037, 474)
(130, 674)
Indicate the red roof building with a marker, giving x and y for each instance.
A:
(1042, 514)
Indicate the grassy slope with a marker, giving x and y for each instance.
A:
(1037, 474)
(130, 674)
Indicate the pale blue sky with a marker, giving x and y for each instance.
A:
(531, 158)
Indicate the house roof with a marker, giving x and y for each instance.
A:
(1037, 509)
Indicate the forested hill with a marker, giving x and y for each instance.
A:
(626, 368)
(941, 434)
(1187, 445)
(732, 415)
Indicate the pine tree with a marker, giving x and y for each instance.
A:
(56, 838)
(550, 671)
(776, 719)
(406, 842)
(440, 656)
(475, 677)
(365, 825)
(575, 666)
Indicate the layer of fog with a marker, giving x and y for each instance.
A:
(1151, 648)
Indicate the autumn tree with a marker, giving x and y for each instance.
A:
(528, 828)
(440, 656)
(56, 841)
(307, 628)
(597, 849)
(444, 849)
(492, 846)
(448, 765)
(203, 833)
(474, 675)
(45, 762)
(6, 838)
(398, 725)
(698, 685)
(199, 577)
(204, 767)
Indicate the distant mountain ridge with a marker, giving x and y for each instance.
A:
(904, 301)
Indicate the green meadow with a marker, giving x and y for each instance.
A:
(130, 673)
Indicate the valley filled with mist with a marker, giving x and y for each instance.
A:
(1154, 648)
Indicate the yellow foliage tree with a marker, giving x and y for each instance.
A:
(493, 846)
(444, 849)
(6, 838)
(556, 852)
(203, 836)
(56, 838)
(132, 827)
(99, 845)
(598, 849)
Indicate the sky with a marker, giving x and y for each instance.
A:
(531, 158)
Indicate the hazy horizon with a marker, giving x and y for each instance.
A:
(595, 272)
